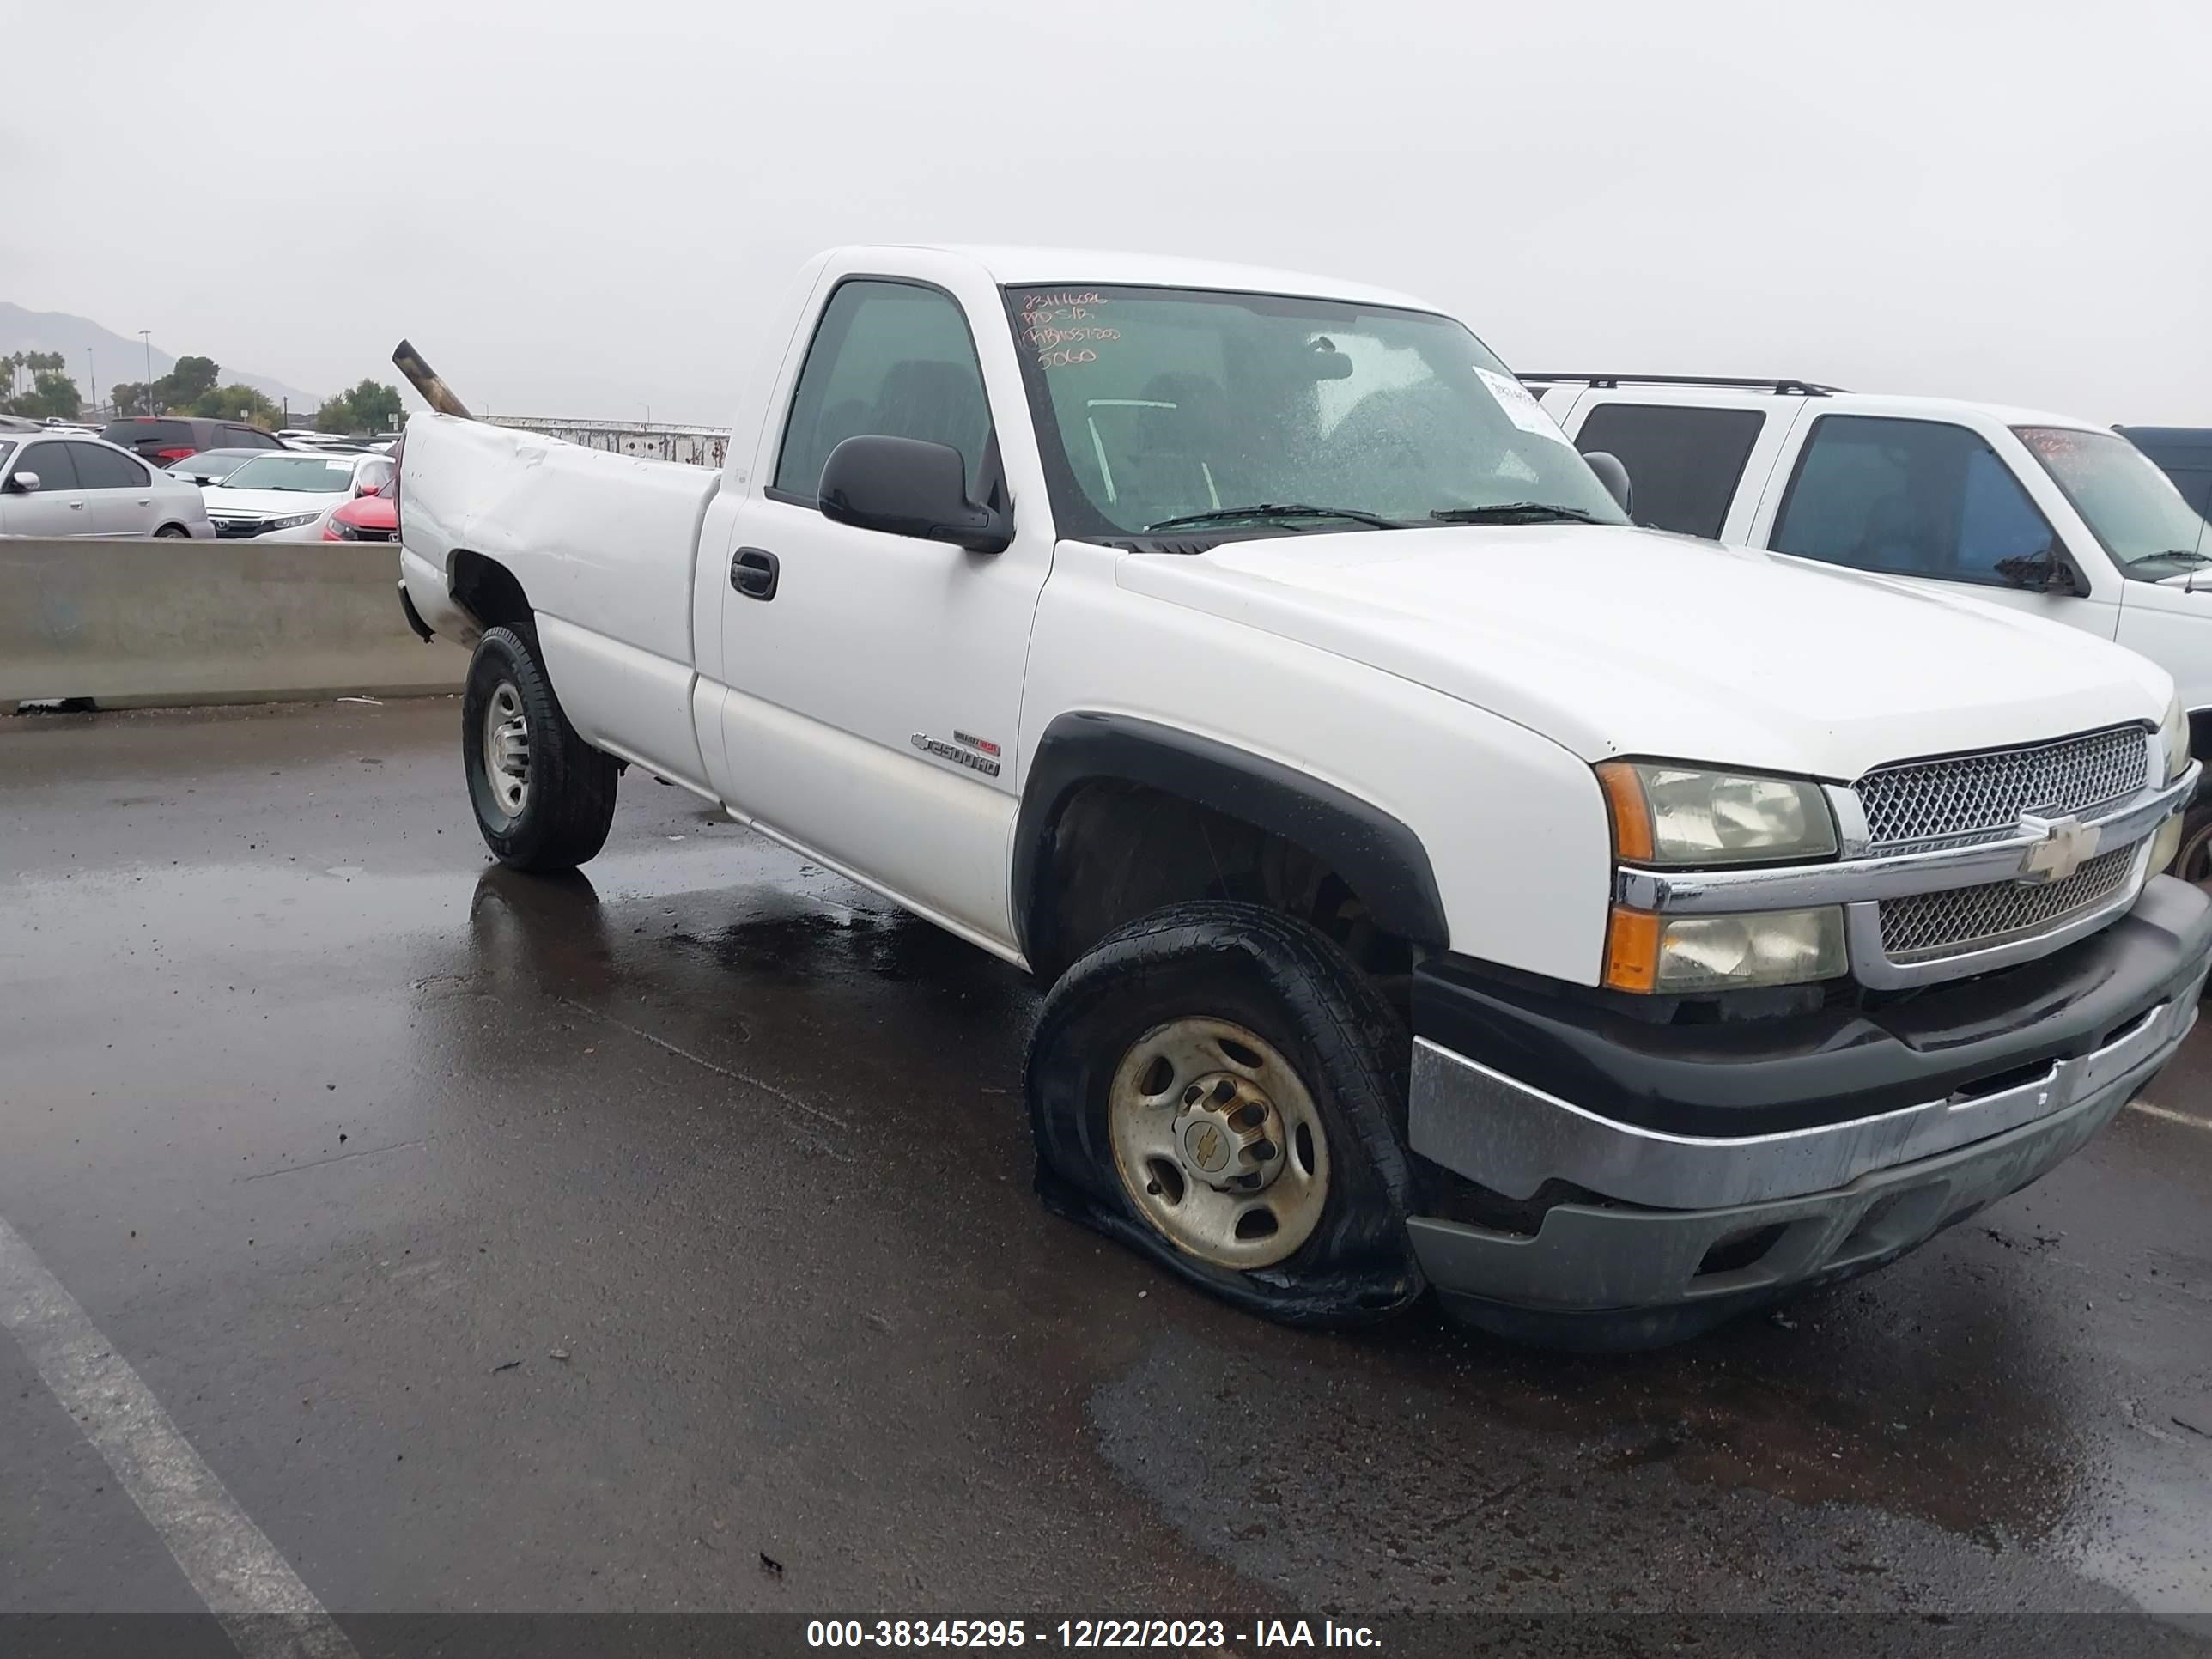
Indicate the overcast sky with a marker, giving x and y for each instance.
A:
(583, 209)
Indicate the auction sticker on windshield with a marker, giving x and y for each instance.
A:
(1520, 406)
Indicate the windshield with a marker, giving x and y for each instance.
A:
(1156, 404)
(311, 474)
(211, 463)
(2131, 506)
(7, 448)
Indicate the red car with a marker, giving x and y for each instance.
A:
(367, 518)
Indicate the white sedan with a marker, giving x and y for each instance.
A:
(288, 491)
(51, 485)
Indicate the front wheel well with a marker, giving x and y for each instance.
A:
(1118, 850)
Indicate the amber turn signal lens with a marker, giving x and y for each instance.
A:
(1631, 813)
(1632, 950)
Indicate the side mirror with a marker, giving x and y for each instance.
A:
(363, 488)
(25, 483)
(2051, 571)
(1613, 475)
(905, 487)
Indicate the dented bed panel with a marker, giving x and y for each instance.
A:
(605, 542)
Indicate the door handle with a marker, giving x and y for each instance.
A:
(77, 507)
(753, 573)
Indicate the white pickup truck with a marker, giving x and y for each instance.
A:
(1441, 883)
(2041, 512)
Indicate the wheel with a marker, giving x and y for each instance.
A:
(168, 531)
(2194, 861)
(1220, 1087)
(543, 797)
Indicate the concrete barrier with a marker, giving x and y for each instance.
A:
(142, 623)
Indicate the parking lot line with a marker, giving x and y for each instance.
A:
(267, 1612)
(2169, 1115)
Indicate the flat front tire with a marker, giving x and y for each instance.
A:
(543, 797)
(2193, 862)
(1221, 1088)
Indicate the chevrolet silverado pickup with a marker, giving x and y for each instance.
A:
(2035, 512)
(1441, 883)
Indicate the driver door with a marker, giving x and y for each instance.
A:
(875, 680)
(58, 507)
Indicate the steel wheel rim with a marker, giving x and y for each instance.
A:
(506, 749)
(1219, 1143)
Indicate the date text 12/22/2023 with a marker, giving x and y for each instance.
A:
(1203, 1635)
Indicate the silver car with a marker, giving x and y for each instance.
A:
(57, 486)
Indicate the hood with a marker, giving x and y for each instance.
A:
(1613, 640)
(268, 503)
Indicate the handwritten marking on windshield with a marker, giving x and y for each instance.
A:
(1045, 337)
(1058, 327)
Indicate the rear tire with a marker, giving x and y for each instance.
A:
(1219, 1087)
(543, 797)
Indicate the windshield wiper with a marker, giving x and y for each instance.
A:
(1274, 510)
(2189, 554)
(1515, 512)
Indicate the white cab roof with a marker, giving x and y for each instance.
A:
(1093, 267)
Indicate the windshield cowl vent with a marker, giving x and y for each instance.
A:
(1183, 544)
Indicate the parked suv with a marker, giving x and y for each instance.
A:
(164, 438)
(2184, 453)
(2045, 513)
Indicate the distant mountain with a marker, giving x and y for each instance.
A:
(115, 358)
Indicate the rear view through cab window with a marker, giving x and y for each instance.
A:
(1684, 463)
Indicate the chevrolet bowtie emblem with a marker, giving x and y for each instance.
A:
(2066, 844)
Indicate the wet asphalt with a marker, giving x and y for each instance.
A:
(587, 1245)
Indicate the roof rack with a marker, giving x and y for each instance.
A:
(1753, 383)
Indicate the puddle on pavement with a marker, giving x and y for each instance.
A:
(1557, 1482)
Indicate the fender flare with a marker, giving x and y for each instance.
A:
(1378, 854)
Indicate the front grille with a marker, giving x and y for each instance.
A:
(1968, 798)
(238, 526)
(1928, 927)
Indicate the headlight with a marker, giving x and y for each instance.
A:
(2173, 738)
(1668, 814)
(338, 529)
(292, 523)
(1678, 955)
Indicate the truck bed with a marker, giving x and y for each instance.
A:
(603, 544)
(604, 541)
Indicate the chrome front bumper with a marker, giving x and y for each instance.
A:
(1616, 1278)
(1513, 1139)
(1745, 1172)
